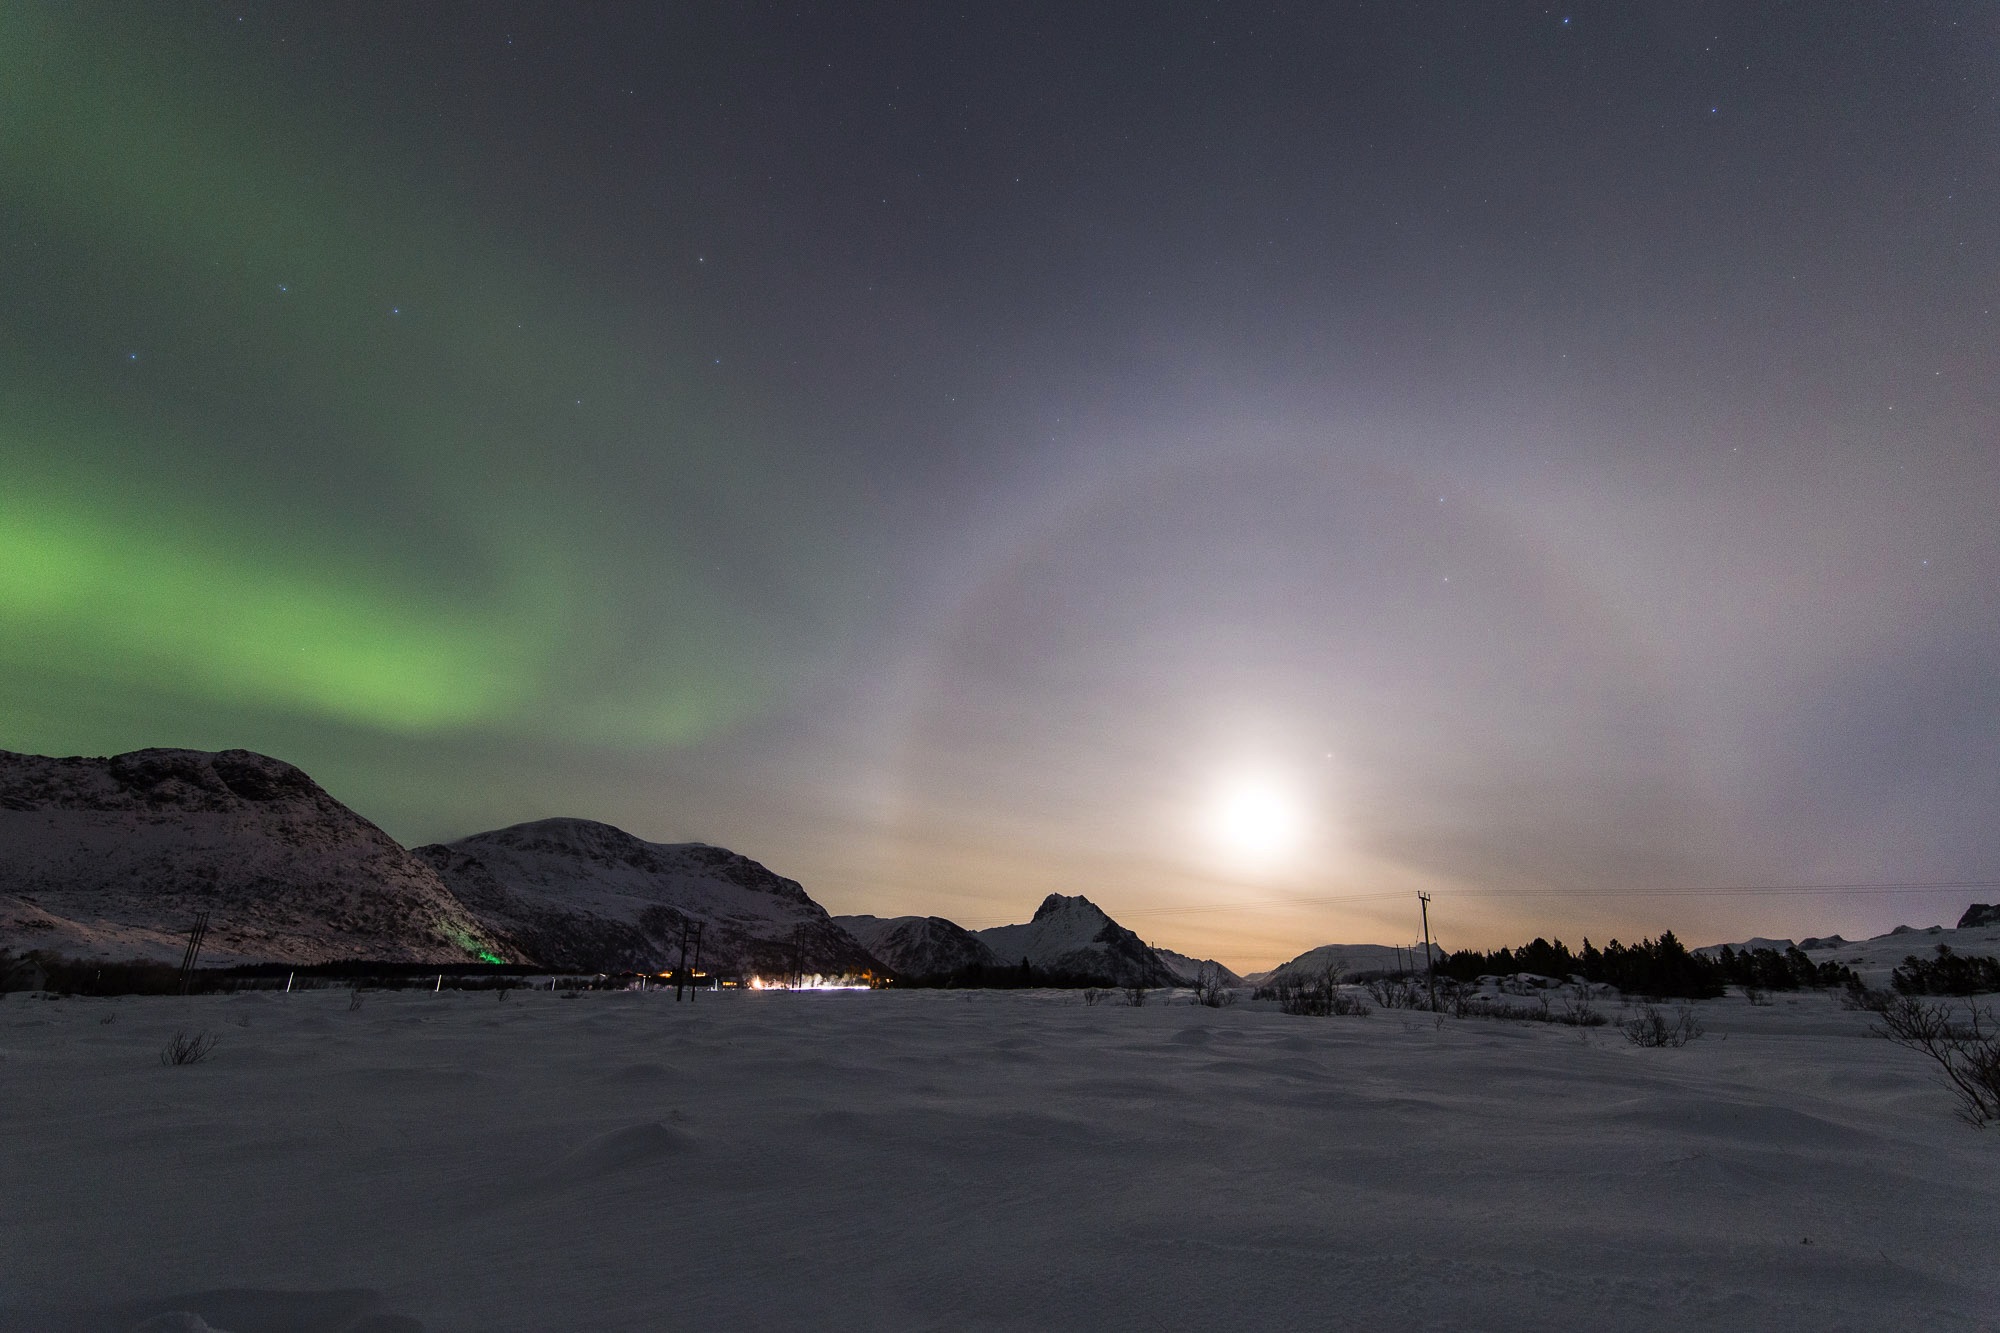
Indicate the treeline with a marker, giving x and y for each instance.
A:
(1947, 974)
(45, 971)
(1768, 969)
(1021, 976)
(1663, 967)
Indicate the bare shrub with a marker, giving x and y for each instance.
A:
(186, 1050)
(1319, 997)
(1398, 993)
(1135, 995)
(1867, 999)
(1581, 1013)
(1652, 1027)
(1968, 1053)
(1091, 995)
(1211, 989)
(1757, 995)
(354, 1001)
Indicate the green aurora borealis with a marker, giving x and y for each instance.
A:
(285, 439)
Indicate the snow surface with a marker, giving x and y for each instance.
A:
(971, 1160)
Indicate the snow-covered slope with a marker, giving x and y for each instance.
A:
(113, 858)
(578, 894)
(1072, 935)
(1188, 970)
(1874, 959)
(918, 946)
(1346, 960)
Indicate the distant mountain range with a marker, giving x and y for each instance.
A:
(113, 859)
(1977, 933)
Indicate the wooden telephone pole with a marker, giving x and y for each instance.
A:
(684, 979)
(195, 938)
(1430, 960)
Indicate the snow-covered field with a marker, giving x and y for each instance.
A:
(972, 1160)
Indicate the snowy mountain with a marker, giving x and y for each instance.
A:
(1072, 935)
(1188, 970)
(578, 894)
(1977, 933)
(1346, 960)
(918, 946)
(114, 858)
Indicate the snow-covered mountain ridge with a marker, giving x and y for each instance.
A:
(577, 893)
(1072, 936)
(919, 946)
(114, 858)
(1345, 960)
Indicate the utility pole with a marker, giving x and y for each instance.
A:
(681, 972)
(693, 990)
(1430, 961)
(195, 938)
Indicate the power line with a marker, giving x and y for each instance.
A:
(1240, 904)
(1688, 891)
(1743, 890)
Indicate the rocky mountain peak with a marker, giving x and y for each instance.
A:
(1059, 903)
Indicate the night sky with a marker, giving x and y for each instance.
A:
(1242, 463)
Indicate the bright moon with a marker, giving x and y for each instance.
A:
(1256, 819)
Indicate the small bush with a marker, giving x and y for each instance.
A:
(1757, 995)
(354, 1000)
(1135, 995)
(1968, 1054)
(186, 1050)
(1653, 1028)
